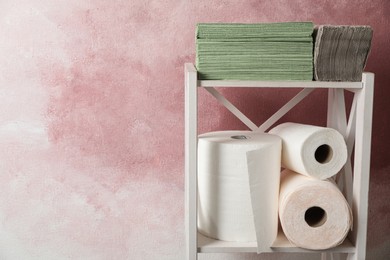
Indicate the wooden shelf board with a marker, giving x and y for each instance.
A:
(279, 84)
(281, 244)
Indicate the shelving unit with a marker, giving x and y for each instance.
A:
(356, 130)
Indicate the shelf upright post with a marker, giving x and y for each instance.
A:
(191, 140)
(362, 166)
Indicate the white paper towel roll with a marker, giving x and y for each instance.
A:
(314, 151)
(313, 213)
(233, 167)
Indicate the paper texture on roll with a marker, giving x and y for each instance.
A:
(314, 151)
(238, 170)
(264, 182)
(313, 213)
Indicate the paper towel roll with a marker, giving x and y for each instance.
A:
(233, 167)
(314, 151)
(313, 213)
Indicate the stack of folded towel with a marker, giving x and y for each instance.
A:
(267, 51)
(341, 52)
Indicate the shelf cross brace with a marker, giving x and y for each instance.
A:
(235, 111)
(270, 121)
(337, 119)
(284, 109)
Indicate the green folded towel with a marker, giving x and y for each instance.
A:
(255, 30)
(264, 51)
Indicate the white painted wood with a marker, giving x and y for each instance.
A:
(359, 126)
(191, 139)
(337, 119)
(281, 244)
(332, 109)
(341, 124)
(351, 128)
(330, 256)
(341, 118)
(331, 122)
(335, 256)
(346, 174)
(330, 114)
(350, 141)
(362, 166)
(235, 111)
(279, 84)
(283, 110)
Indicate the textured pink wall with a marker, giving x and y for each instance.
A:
(91, 121)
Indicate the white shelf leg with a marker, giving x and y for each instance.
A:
(362, 166)
(191, 139)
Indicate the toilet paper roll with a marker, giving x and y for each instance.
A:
(313, 213)
(314, 151)
(238, 186)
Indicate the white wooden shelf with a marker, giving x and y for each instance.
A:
(279, 84)
(356, 130)
(281, 244)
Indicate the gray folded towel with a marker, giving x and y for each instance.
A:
(340, 52)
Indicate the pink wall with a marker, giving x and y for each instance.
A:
(91, 121)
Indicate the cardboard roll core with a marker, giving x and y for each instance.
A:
(315, 216)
